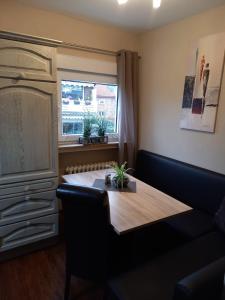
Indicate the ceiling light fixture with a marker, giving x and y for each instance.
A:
(122, 1)
(156, 3)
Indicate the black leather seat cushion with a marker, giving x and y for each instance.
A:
(156, 280)
(192, 224)
(197, 187)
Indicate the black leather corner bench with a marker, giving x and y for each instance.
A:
(199, 188)
(194, 270)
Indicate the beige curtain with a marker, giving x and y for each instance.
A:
(127, 63)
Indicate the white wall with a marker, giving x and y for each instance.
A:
(17, 17)
(165, 53)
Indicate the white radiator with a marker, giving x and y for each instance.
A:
(90, 167)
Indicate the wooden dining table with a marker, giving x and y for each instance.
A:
(135, 208)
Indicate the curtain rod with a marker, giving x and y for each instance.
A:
(8, 35)
(54, 43)
(87, 49)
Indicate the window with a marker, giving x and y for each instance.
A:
(79, 98)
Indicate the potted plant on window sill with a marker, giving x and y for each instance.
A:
(87, 131)
(102, 127)
(90, 124)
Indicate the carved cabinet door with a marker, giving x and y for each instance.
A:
(28, 130)
(27, 61)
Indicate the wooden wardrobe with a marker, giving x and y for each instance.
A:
(28, 143)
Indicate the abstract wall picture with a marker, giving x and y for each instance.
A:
(202, 87)
(188, 91)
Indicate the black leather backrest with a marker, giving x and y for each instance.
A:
(200, 188)
(87, 225)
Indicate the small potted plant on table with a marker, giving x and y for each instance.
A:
(120, 179)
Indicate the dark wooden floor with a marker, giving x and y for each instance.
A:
(40, 276)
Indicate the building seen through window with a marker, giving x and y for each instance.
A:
(82, 98)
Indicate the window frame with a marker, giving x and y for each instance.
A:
(67, 75)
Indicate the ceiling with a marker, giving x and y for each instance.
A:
(137, 15)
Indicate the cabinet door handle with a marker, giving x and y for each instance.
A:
(21, 76)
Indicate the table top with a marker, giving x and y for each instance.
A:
(132, 210)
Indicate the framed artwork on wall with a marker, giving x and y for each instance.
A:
(202, 85)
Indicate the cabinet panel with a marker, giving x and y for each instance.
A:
(27, 61)
(9, 190)
(28, 130)
(22, 233)
(27, 207)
